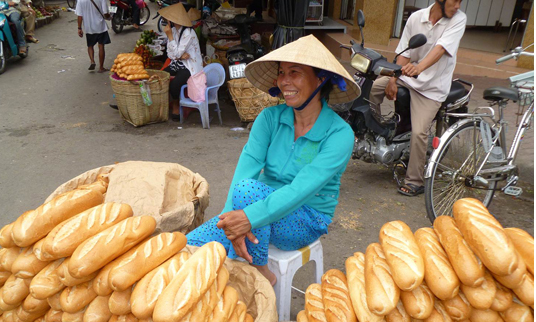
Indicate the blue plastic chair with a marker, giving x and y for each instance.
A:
(215, 78)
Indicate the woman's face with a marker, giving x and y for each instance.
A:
(297, 82)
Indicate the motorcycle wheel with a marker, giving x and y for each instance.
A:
(145, 14)
(71, 4)
(2, 58)
(117, 25)
(160, 27)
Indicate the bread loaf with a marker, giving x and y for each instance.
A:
(481, 297)
(201, 310)
(42, 256)
(190, 284)
(9, 255)
(467, 266)
(523, 243)
(54, 316)
(73, 317)
(314, 306)
(398, 314)
(355, 274)
(31, 305)
(65, 277)
(301, 317)
(67, 236)
(226, 305)
(100, 185)
(26, 265)
(75, 298)
(240, 311)
(119, 302)
(503, 298)
(54, 301)
(147, 256)
(123, 318)
(47, 283)
(4, 275)
(418, 303)
(102, 248)
(36, 224)
(525, 292)
(515, 279)
(336, 298)
(98, 310)
(6, 241)
(15, 290)
(517, 312)
(485, 236)
(149, 288)
(484, 316)
(402, 254)
(439, 274)
(23, 315)
(381, 290)
(439, 314)
(458, 307)
(7, 307)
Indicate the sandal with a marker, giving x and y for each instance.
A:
(411, 190)
(175, 117)
(103, 70)
(32, 39)
(92, 66)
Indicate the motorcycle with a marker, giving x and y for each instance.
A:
(8, 42)
(247, 51)
(166, 3)
(386, 139)
(122, 14)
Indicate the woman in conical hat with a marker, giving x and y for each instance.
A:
(182, 49)
(286, 184)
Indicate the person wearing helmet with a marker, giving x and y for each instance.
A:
(286, 183)
(443, 24)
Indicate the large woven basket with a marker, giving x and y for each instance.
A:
(130, 102)
(248, 99)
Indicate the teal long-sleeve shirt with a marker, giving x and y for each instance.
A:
(303, 172)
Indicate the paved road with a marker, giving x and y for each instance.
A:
(55, 124)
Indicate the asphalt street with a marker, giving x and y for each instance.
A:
(55, 123)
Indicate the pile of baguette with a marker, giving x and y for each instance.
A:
(77, 259)
(129, 66)
(466, 268)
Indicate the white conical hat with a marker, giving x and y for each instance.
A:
(308, 50)
(176, 14)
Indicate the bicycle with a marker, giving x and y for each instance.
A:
(471, 157)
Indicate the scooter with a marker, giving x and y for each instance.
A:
(248, 50)
(8, 41)
(122, 14)
(386, 139)
(166, 3)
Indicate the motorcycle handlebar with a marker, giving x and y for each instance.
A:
(505, 58)
(384, 71)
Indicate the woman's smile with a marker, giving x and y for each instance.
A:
(296, 82)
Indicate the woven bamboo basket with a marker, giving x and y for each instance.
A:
(248, 99)
(130, 102)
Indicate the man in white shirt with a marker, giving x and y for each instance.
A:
(94, 13)
(443, 24)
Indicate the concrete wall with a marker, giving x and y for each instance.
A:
(528, 38)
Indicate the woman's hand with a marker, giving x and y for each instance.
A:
(185, 56)
(239, 245)
(235, 224)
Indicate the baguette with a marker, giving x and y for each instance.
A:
(503, 298)
(7, 307)
(439, 314)
(398, 314)
(100, 185)
(123, 318)
(190, 284)
(145, 258)
(119, 302)
(418, 303)
(402, 254)
(301, 317)
(481, 297)
(6, 241)
(226, 305)
(439, 274)
(8, 316)
(4, 275)
(201, 310)
(336, 298)
(523, 243)
(467, 266)
(105, 246)
(314, 306)
(73, 299)
(54, 301)
(23, 315)
(517, 312)
(68, 280)
(73, 317)
(47, 283)
(240, 311)
(63, 240)
(515, 279)
(26, 265)
(485, 316)
(149, 288)
(31, 305)
(382, 293)
(485, 236)
(355, 273)
(42, 256)
(54, 316)
(9, 255)
(458, 307)
(98, 310)
(36, 224)
(15, 290)
(525, 292)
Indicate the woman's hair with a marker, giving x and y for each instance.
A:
(326, 89)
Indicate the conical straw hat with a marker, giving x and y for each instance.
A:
(176, 14)
(194, 14)
(308, 50)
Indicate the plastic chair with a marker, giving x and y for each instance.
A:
(284, 265)
(215, 78)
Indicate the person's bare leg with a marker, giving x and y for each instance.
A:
(91, 53)
(266, 273)
(101, 57)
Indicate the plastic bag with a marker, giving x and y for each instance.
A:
(197, 86)
(146, 93)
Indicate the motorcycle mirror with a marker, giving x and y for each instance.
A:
(361, 19)
(417, 41)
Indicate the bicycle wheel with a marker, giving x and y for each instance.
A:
(145, 14)
(453, 170)
(71, 4)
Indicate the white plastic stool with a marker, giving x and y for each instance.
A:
(284, 265)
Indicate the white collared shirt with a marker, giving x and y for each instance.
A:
(187, 44)
(434, 82)
(93, 21)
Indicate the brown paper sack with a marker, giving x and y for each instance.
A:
(175, 196)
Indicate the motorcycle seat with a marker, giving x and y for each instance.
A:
(456, 92)
(501, 93)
